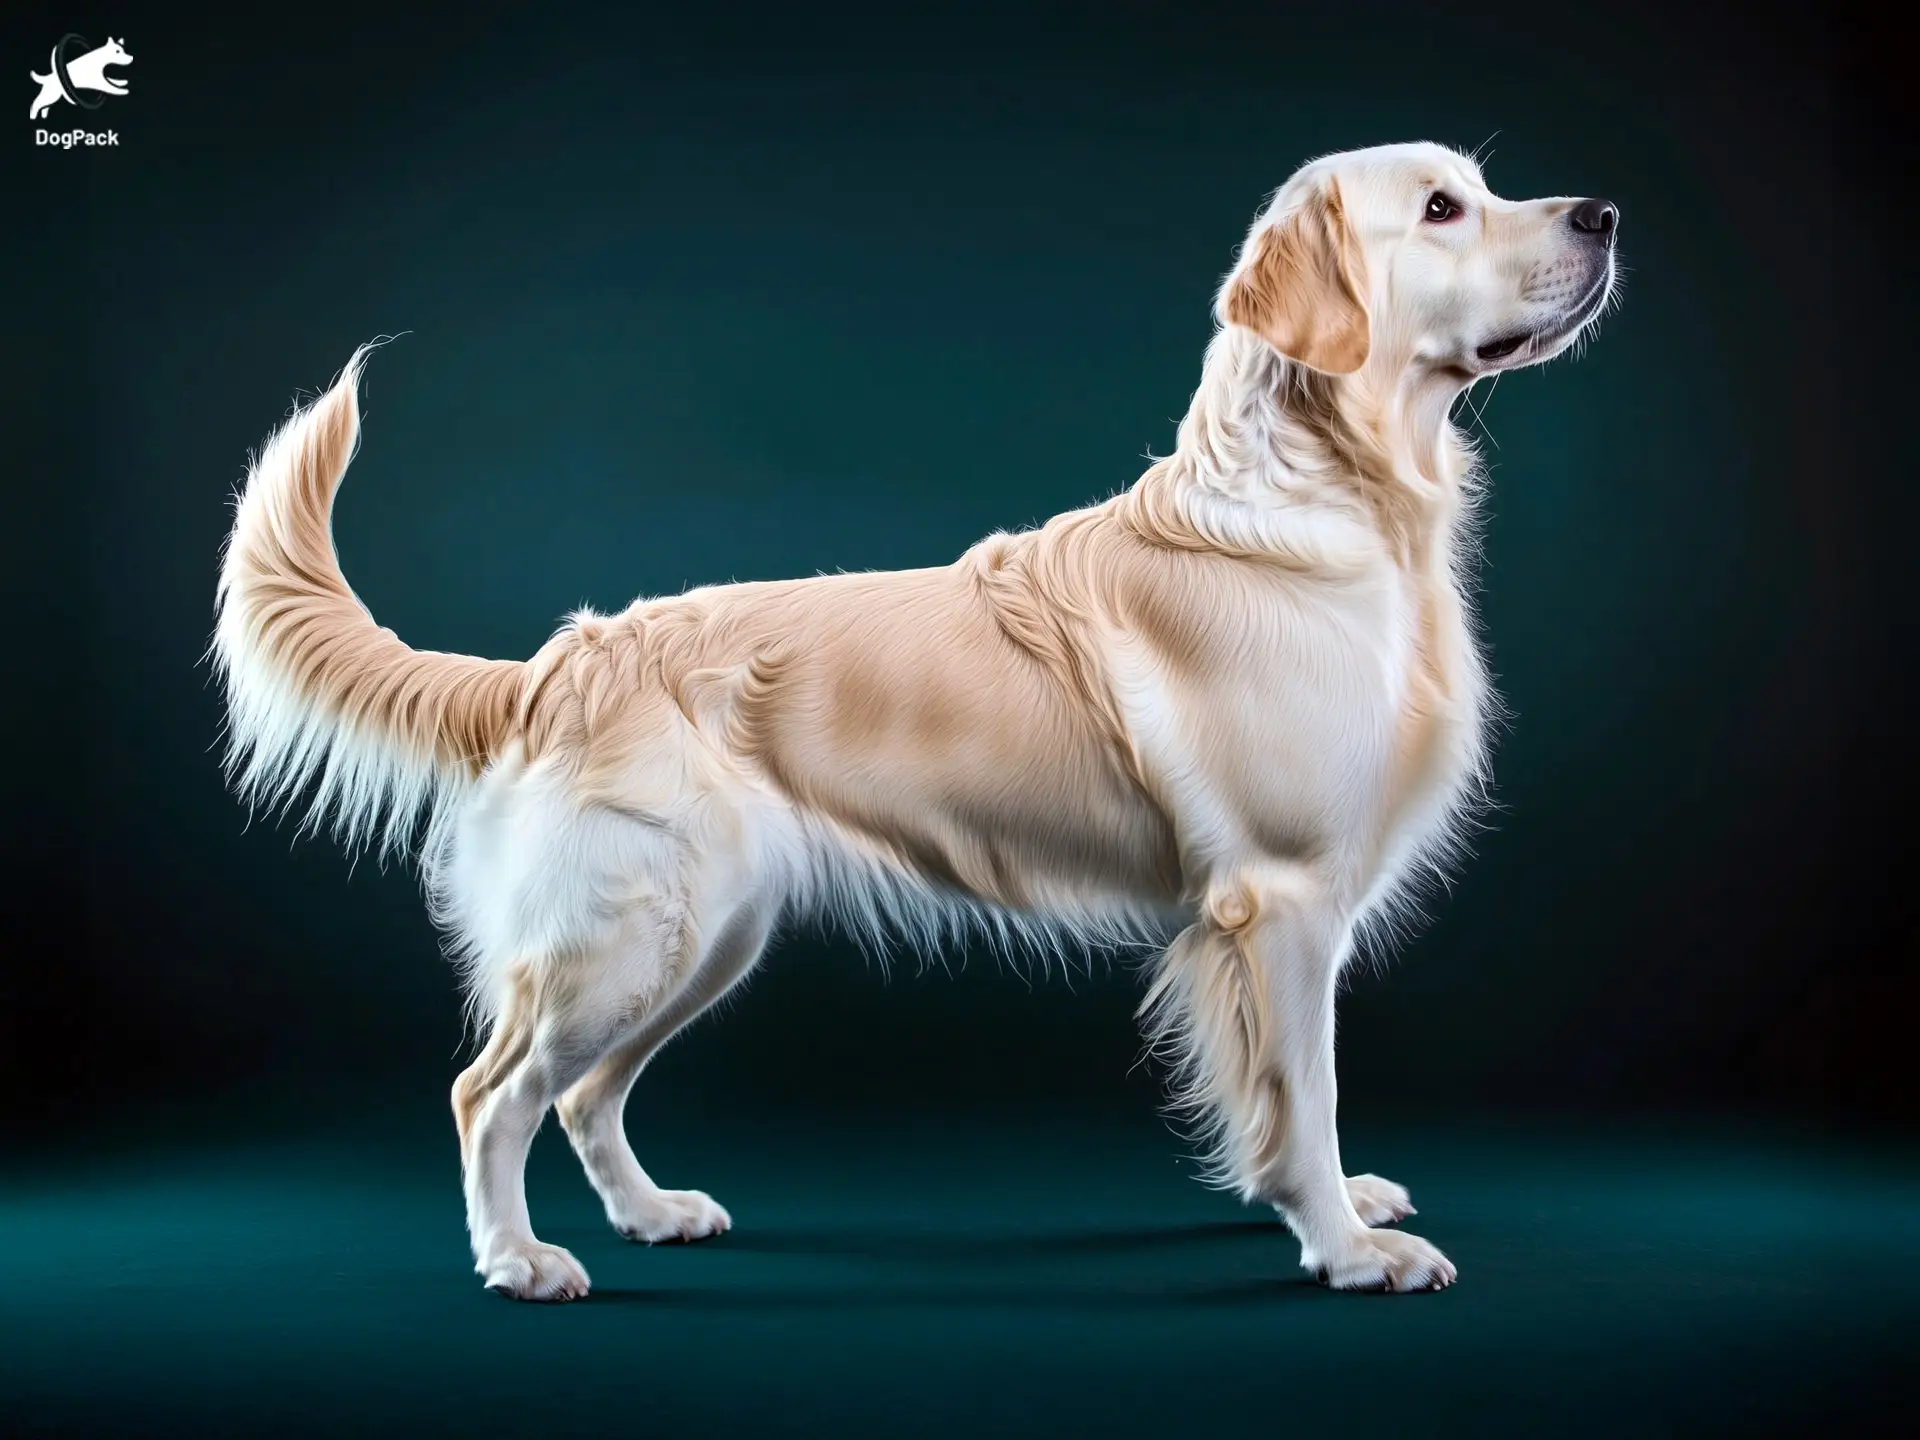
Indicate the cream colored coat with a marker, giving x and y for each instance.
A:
(1239, 705)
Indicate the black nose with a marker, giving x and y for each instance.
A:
(1598, 218)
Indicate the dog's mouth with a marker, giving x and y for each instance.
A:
(1539, 344)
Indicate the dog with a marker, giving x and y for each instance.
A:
(87, 72)
(1233, 712)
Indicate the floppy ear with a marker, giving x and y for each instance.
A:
(1304, 291)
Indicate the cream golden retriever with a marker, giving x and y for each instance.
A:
(1231, 711)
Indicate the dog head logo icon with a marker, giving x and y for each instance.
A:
(79, 75)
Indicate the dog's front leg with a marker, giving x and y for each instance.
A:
(1248, 994)
(1301, 942)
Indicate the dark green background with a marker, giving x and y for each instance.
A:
(746, 293)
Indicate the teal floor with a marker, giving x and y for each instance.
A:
(946, 1278)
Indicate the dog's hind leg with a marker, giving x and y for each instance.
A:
(563, 1013)
(50, 94)
(591, 1111)
(507, 1040)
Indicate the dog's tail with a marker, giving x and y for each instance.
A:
(320, 699)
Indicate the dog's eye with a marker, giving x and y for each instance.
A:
(1441, 207)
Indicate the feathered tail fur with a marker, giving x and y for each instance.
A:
(321, 701)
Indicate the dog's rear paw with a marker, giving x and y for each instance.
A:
(673, 1215)
(534, 1271)
(1388, 1260)
(1380, 1202)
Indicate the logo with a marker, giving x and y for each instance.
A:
(78, 76)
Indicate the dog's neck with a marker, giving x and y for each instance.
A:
(1276, 460)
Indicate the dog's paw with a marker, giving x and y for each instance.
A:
(1380, 1202)
(1389, 1260)
(672, 1215)
(534, 1271)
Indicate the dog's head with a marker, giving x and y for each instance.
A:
(112, 53)
(1400, 261)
